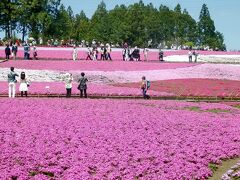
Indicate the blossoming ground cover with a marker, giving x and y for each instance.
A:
(114, 139)
(92, 65)
(123, 78)
(194, 87)
(63, 53)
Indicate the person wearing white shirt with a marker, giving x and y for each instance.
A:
(190, 55)
(12, 83)
(75, 53)
(24, 83)
(68, 79)
(145, 53)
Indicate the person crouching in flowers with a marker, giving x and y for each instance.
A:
(83, 85)
(23, 88)
(68, 84)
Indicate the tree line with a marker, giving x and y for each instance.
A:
(136, 24)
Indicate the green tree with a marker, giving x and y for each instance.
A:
(208, 36)
(49, 29)
(100, 27)
(137, 23)
(33, 17)
(178, 9)
(135, 17)
(151, 24)
(8, 16)
(179, 25)
(82, 27)
(63, 24)
(120, 29)
(167, 25)
(206, 26)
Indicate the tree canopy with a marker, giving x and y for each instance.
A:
(136, 24)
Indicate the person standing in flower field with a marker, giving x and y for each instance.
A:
(23, 88)
(26, 51)
(35, 53)
(145, 53)
(75, 53)
(102, 53)
(89, 54)
(94, 52)
(160, 55)
(190, 55)
(109, 50)
(12, 83)
(105, 53)
(83, 85)
(14, 51)
(136, 54)
(124, 51)
(68, 84)
(195, 54)
(7, 52)
(145, 85)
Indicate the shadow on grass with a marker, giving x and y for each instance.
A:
(34, 173)
(215, 110)
(237, 106)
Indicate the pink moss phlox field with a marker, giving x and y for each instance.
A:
(92, 65)
(194, 87)
(110, 139)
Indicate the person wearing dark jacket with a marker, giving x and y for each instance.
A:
(7, 52)
(83, 85)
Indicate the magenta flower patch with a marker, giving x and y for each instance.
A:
(113, 139)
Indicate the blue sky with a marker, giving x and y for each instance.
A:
(225, 13)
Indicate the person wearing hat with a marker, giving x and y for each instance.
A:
(83, 85)
(68, 84)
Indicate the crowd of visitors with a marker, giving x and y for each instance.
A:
(24, 83)
(95, 52)
(103, 50)
(12, 52)
(67, 78)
